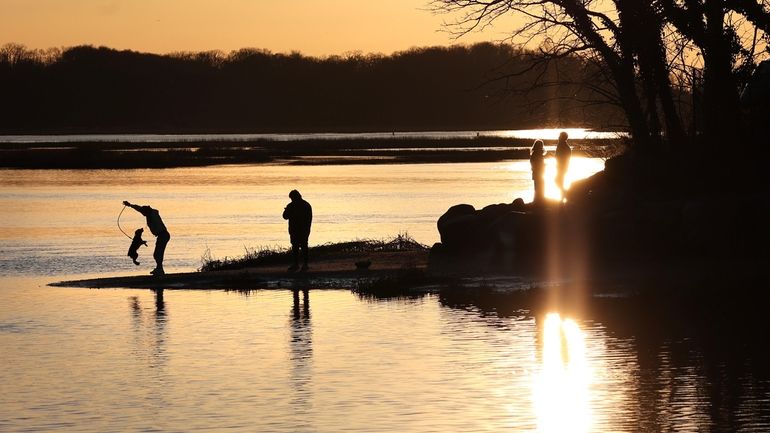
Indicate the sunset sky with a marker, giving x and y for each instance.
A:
(314, 27)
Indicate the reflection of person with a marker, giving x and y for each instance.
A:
(158, 229)
(300, 216)
(563, 154)
(537, 161)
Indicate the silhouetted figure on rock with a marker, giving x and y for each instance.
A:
(563, 154)
(537, 161)
(300, 216)
(158, 229)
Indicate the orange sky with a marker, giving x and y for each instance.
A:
(314, 27)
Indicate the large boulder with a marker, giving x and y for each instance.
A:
(494, 237)
(457, 225)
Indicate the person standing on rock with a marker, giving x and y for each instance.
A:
(157, 228)
(563, 155)
(537, 161)
(300, 216)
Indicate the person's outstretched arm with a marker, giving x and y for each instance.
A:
(133, 206)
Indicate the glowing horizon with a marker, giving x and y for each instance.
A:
(315, 29)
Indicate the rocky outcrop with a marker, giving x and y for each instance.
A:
(493, 238)
(606, 219)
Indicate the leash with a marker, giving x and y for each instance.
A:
(119, 228)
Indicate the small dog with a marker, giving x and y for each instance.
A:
(136, 242)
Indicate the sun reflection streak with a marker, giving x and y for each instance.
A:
(561, 387)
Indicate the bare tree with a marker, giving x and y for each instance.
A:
(641, 44)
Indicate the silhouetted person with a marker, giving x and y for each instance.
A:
(136, 242)
(563, 154)
(537, 161)
(300, 216)
(158, 229)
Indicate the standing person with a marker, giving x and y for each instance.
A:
(300, 216)
(563, 154)
(158, 229)
(537, 161)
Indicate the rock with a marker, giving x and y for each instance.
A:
(459, 231)
(489, 238)
(453, 219)
(518, 205)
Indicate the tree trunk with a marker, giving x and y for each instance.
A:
(721, 106)
(623, 72)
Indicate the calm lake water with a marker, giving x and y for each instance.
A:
(65, 221)
(326, 360)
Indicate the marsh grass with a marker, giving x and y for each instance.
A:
(124, 155)
(267, 256)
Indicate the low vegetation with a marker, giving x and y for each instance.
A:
(119, 155)
(269, 256)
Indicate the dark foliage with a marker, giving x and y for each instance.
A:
(88, 89)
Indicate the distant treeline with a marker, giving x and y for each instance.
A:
(484, 86)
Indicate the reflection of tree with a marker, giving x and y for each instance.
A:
(696, 370)
(301, 352)
(670, 367)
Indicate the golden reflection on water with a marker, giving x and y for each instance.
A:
(561, 386)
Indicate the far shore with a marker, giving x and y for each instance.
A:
(119, 155)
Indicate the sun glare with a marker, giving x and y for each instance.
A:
(561, 386)
(553, 134)
(579, 168)
(547, 133)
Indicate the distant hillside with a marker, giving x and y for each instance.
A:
(87, 89)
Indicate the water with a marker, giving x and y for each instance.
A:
(65, 221)
(327, 360)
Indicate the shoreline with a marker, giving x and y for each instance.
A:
(120, 155)
(407, 273)
(333, 271)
